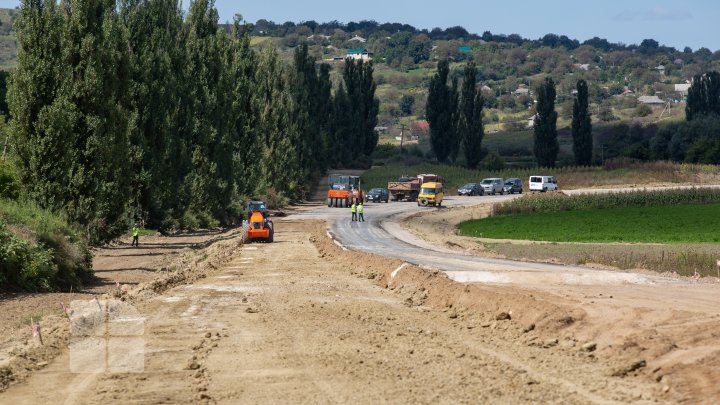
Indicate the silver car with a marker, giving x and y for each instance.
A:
(492, 185)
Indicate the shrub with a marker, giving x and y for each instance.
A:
(39, 251)
(643, 110)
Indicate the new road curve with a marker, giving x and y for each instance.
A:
(382, 234)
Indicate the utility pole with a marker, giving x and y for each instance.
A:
(402, 130)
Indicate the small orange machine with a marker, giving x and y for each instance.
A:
(259, 226)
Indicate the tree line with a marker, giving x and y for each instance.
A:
(128, 111)
(455, 115)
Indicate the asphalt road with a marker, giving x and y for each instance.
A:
(382, 234)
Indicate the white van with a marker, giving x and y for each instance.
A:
(543, 183)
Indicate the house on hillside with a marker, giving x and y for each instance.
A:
(653, 101)
(358, 38)
(358, 54)
(628, 92)
(581, 66)
(522, 91)
(682, 89)
(660, 69)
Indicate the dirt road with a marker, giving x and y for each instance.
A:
(301, 321)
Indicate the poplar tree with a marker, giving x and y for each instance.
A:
(546, 145)
(209, 180)
(582, 126)
(152, 28)
(42, 119)
(364, 106)
(703, 96)
(470, 126)
(440, 111)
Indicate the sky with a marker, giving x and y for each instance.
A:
(693, 23)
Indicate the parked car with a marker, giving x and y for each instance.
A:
(377, 195)
(492, 185)
(470, 189)
(512, 186)
(543, 183)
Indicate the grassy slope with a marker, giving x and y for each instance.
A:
(672, 224)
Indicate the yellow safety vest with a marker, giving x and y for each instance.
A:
(136, 231)
(353, 208)
(360, 209)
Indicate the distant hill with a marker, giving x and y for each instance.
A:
(8, 44)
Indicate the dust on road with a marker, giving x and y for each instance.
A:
(301, 321)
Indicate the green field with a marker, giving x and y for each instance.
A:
(670, 224)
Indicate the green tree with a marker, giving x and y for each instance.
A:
(360, 87)
(546, 145)
(440, 112)
(40, 128)
(470, 114)
(582, 126)
(703, 96)
(209, 123)
(153, 29)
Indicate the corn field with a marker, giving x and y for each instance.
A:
(556, 202)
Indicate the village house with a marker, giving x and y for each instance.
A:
(653, 101)
(359, 54)
(358, 38)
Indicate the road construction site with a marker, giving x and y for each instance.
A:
(335, 311)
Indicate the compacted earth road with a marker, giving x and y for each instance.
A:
(315, 318)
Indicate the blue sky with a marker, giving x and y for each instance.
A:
(694, 23)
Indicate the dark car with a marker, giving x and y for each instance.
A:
(470, 189)
(377, 195)
(512, 186)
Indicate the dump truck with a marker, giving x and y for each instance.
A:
(258, 226)
(408, 188)
(343, 190)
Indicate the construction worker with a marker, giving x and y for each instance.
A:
(353, 209)
(361, 218)
(136, 235)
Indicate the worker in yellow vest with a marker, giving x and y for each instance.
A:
(353, 209)
(361, 218)
(136, 235)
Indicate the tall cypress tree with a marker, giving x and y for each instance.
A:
(95, 84)
(360, 86)
(279, 160)
(703, 96)
(440, 111)
(470, 126)
(210, 180)
(582, 126)
(41, 125)
(546, 145)
(341, 129)
(152, 28)
(246, 148)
